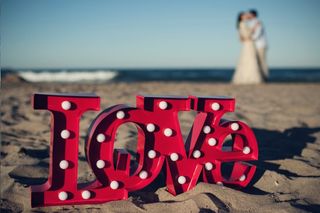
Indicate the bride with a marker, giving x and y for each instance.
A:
(248, 70)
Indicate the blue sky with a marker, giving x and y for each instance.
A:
(150, 33)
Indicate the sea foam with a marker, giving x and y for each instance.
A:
(68, 76)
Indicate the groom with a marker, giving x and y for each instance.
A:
(260, 40)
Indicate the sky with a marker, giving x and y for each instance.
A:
(152, 33)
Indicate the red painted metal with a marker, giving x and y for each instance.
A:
(159, 142)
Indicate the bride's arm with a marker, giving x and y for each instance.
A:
(241, 37)
(244, 32)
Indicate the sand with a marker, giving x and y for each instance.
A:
(284, 117)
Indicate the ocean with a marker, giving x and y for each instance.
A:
(135, 75)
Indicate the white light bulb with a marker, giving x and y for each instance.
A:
(143, 174)
(182, 180)
(66, 105)
(86, 194)
(235, 126)
(114, 185)
(206, 129)
(100, 164)
(63, 195)
(152, 154)
(120, 114)
(168, 132)
(151, 127)
(246, 150)
(101, 138)
(63, 164)
(65, 134)
(174, 156)
(208, 166)
(196, 154)
(242, 178)
(163, 105)
(215, 106)
(212, 141)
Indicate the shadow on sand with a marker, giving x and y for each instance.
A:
(276, 145)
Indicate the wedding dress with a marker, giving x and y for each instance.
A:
(248, 70)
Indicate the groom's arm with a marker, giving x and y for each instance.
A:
(258, 30)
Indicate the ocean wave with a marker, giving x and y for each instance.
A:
(69, 76)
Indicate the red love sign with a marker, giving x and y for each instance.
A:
(159, 142)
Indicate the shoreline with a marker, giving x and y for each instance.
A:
(102, 76)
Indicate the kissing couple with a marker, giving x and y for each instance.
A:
(252, 67)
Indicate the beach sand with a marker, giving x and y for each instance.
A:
(284, 117)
